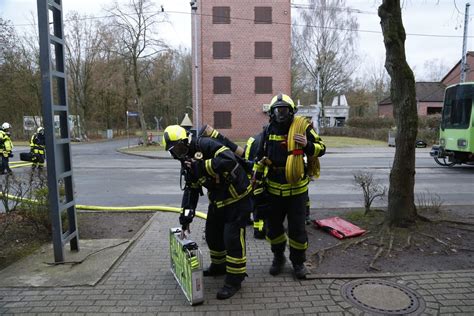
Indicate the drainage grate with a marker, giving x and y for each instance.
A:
(383, 297)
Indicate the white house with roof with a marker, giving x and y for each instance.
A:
(337, 113)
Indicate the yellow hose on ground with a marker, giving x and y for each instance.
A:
(154, 208)
(18, 165)
(294, 169)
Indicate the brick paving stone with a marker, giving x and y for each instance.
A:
(111, 309)
(42, 309)
(88, 309)
(448, 309)
(290, 311)
(65, 309)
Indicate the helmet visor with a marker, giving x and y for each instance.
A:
(179, 150)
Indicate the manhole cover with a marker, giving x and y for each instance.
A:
(383, 297)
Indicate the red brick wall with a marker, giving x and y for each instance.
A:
(386, 110)
(455, 75)
(242, 67)
(423, 107)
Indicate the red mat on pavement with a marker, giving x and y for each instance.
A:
(338, 227)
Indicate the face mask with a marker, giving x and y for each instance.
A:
(179, 151)
(282, 114)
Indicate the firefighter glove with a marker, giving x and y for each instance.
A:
(186, 218)
(195, 167)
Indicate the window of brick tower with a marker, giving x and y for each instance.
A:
(263, 85)
(222, 85)
(221, 50)
(263, 50)
(220, 15)
(263, 15)
(223, 119)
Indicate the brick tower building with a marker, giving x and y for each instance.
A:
(243, 59)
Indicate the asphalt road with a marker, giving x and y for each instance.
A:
(106, 177)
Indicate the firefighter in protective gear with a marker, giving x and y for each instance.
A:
(207, 163)
(260, 199)
(37, 148)
(6, 148)
(286, 198)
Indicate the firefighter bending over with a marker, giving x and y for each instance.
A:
(37, 147)
(206, 162)
(286, 181)
(6, 148)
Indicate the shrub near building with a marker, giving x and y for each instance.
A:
(377, 128)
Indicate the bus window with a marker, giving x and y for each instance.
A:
(457, 108)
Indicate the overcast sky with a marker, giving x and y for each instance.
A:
(434, 27)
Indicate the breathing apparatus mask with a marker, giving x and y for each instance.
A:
(179, 150)
(282, 114)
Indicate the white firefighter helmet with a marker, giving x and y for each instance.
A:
(6, 126)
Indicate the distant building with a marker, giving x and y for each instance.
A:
(186, 123)
(244, 53)
(454, 75)
(337, 114)
(429, 100)
(312, 112)
(430, 95)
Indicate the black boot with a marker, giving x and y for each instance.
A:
(215, 270)
(227, 291)
(300, 271)
(277, 264)
(258, 234)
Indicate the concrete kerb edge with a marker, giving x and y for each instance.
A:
(382, 275)
(122, 151)
(129, 247)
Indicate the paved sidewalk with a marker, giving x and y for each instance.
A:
(141, 283)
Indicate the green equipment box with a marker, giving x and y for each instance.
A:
(187, 265)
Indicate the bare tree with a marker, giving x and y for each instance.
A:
(19, 75)
(434, 70)
(82, 44)
(136, 28)
(371, 188)
(378, 80)
(7, 39)
(325, 42)
(401, 205)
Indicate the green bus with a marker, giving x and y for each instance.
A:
(456, 135)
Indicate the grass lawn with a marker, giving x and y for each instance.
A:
(340, 141)
(330, 141)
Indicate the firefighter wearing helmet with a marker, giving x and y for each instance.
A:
(205, 162)
(37, 148)
(286, 198)
(6, 148)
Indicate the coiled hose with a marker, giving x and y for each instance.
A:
(294, 169)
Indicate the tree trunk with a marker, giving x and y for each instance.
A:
(138, 93)
(401, 205)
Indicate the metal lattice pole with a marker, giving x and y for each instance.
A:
(58, 142)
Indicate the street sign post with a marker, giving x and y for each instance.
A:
(130, 114)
